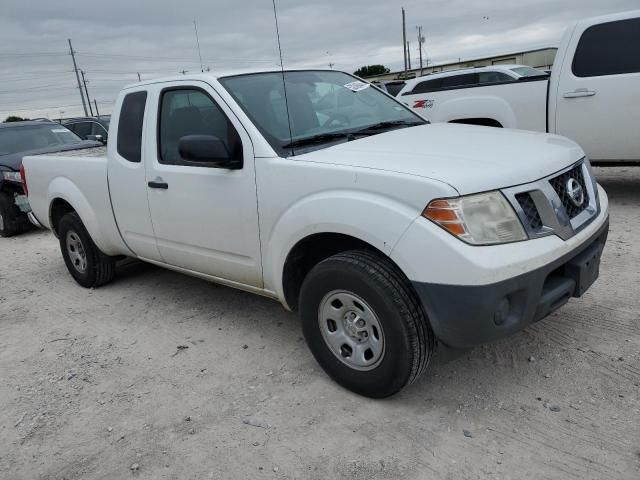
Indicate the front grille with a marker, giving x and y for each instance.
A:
(530, 211)
(559, 184)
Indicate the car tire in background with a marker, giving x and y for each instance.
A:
(9, 216)
(364, 323)
(85, 262)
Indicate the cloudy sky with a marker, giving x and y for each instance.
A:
(116, 39)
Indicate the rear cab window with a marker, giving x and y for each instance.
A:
(129, 142)
(608, 49)
(426, 86)
(485, 78)
(465, 80)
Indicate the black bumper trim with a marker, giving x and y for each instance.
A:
(463, 316)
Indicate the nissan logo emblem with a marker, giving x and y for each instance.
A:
(575, 192)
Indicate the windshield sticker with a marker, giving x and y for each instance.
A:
(357, 86)
(59, 130)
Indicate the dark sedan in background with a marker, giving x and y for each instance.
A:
(18, 139)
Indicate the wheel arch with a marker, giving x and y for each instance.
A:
(65, 197)
(58, 208)
(313, 249)
(487, 108)
(340, 217)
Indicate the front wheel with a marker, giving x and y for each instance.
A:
(364, 324)
(85, 262)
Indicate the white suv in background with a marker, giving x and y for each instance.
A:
(413, 92)
(591, 96)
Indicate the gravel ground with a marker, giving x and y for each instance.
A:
(101, 385)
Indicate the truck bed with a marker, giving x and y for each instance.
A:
(521, 105)
(79, 178)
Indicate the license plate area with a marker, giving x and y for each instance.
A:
(584, 269)
(22, 203)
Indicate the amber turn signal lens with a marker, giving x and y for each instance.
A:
(441, 215)
(456, 228)
(445, 214)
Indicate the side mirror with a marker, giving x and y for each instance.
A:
(207, 150)
(97, 138)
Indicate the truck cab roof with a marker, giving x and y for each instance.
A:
(208, 76)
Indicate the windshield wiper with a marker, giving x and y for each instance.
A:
(377, 127)
(320, 138)
(350, 135)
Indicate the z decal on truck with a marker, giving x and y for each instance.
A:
(422, 104)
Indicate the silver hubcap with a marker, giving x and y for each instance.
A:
(351, 330)
(76, 252)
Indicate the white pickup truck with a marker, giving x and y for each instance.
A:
(388, 234)
(592, 95)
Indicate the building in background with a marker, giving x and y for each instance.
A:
(541, 58)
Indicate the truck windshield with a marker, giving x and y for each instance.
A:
(324, 107)
(23, 138)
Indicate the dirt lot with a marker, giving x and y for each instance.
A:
(94, 385)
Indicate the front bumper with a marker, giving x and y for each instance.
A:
(463, 316)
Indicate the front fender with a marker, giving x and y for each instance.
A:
(372, 218)
(482, 106)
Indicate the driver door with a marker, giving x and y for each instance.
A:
(205, 218)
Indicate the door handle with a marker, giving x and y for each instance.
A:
(580, 92)
(158, 184)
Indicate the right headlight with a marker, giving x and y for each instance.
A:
(482, 219)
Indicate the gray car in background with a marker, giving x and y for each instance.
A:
(89, 128)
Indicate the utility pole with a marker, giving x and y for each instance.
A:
(404, 42)
(96, 104)
(84, 81)
(420, 42)
(75, 67)
(408, 55)
(139, 76)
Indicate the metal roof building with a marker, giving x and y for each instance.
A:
(541, 58)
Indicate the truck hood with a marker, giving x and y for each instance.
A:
(469, 158)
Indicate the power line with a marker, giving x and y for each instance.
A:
(29, 76)
(54, 107)
(36, 88)
(47, 88)
(32, 54)
(41, 108)
(171, 59)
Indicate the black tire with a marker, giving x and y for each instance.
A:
(12, 219)
(408, 339)
(98, 267)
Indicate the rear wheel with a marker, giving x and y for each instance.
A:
(364, 324)
(86, 263)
